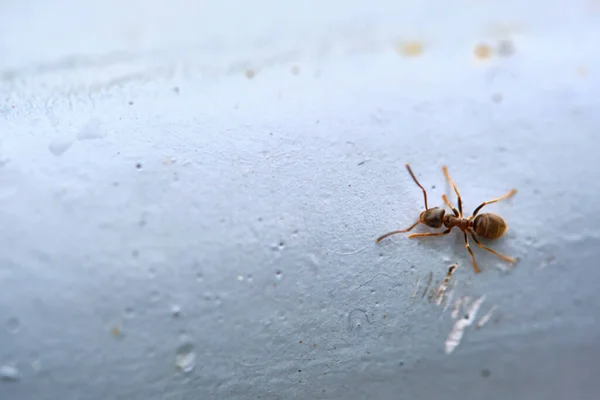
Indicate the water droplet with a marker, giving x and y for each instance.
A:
(9, 374)
(91, 130)
(154, 296)
(175, 311)
(249, 277)
(278, 275)
(129, 312)
(13, 325)
(185, 357)
(218, 301)
(199, 277)
(151, 352)
(59, 145)
(240, 278)
(152, 272)
(281, 245)
(36, 365)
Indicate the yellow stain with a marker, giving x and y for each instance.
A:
(410, 49)
(483, 51)
(116, 332)
(583, 72)
(249, 74)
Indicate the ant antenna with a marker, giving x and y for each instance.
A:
(417, 182)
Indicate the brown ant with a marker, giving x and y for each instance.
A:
(487, 225)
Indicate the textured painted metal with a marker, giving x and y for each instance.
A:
(190, 195)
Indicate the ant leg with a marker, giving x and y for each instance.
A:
(380, 238)
(418, 184)
(454, 210)
(485, 203)
(455, 189)
(502, 256)
(414, 235)
(475, 266)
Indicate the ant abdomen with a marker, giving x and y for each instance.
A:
(489, 226)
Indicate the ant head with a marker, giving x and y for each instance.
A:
(433, 217)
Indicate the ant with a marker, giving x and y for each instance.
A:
(486, 225)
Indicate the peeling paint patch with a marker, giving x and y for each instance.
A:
(458, 306)
(458, 330)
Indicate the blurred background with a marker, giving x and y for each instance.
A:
(190, 193)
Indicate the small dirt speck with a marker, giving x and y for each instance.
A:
(497, 98)
(506, 48)
(249, 74)
(138, 165)
(486, 373)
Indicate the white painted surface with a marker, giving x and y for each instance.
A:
(172, 229)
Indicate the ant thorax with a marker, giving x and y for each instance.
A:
(451, 221)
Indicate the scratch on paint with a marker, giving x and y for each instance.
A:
(448, 301)
(417, 286)
(428, 284)
(444, 286)
(485, 319)
(458, 305)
